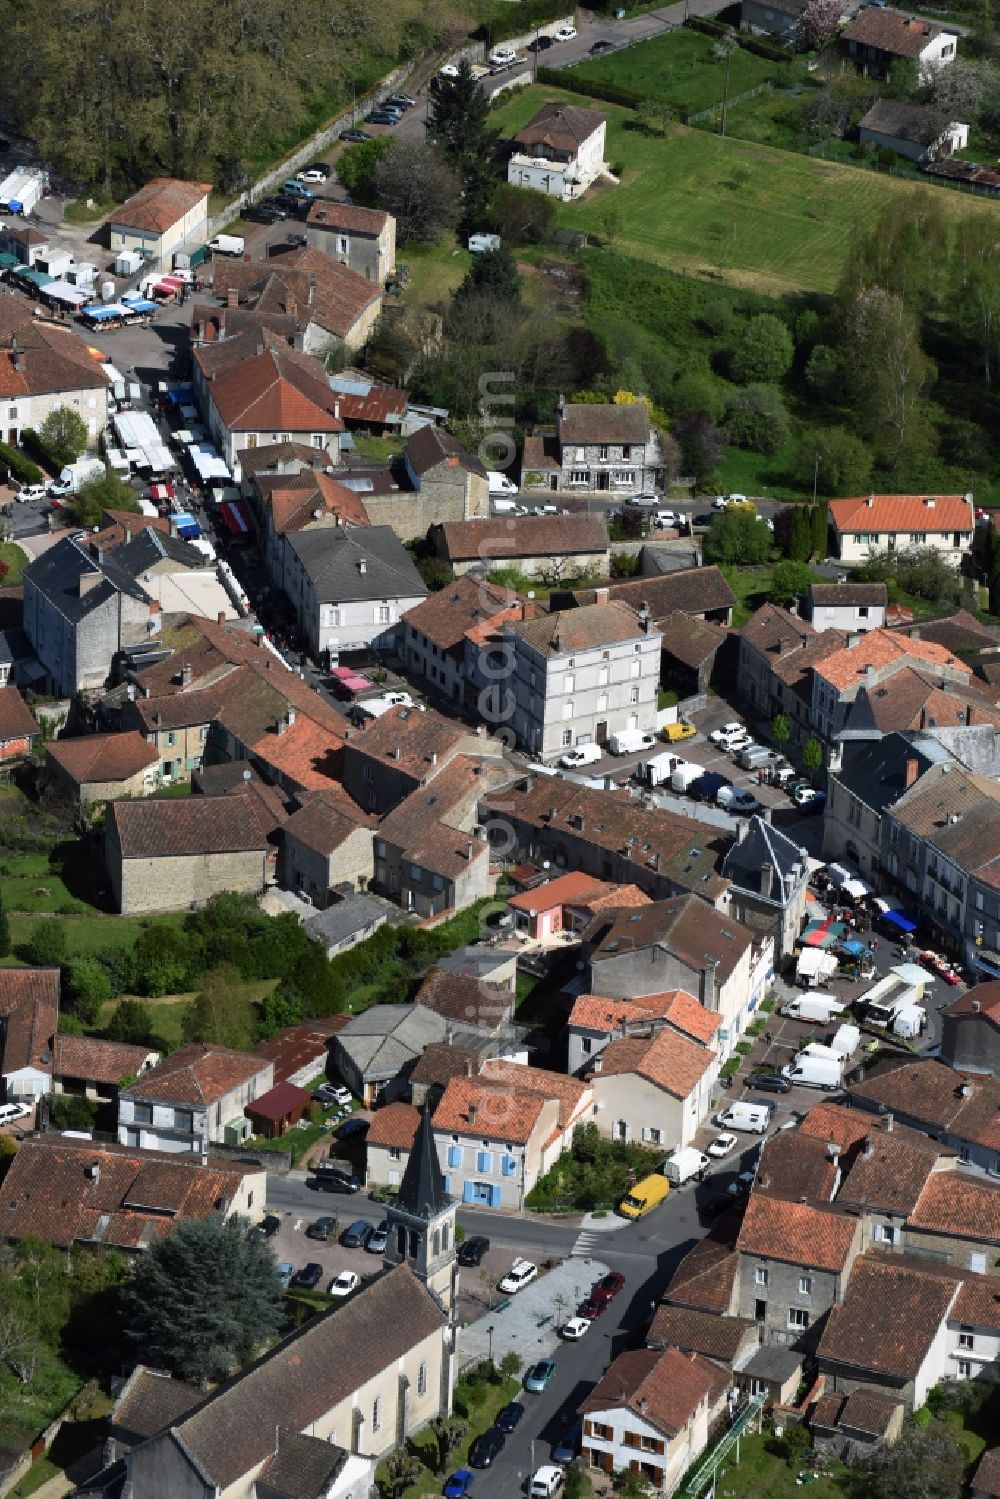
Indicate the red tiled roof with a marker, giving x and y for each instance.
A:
(664, 1388)
(706, 1276)
(593, 1012)
(878, 649)
(103, 757)
(332, 215)
(300, 1046)
(900, 512)
(197, 1074)
(97, 1061)
(574, 888)
(524, 536)
(889, 1318)
(159, 204)
(986, 1479)
(29, 1003)
(569, 1092)
(200, 825)
(466, 1000)
(472, 1106)
(669, 1061)
(796, 1233)
(959, 1205)
(16, 719)
(980, 999)
(279, 1101)
(394, 1127)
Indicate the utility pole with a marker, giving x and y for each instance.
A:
(725, 96)
(815, 477)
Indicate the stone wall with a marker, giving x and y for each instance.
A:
(166, 884)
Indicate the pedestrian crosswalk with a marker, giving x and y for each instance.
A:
(585, 1244)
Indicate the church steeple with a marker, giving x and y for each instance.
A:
(422, 1218)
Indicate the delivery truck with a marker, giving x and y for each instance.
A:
(81, 472)
(815, 1072)
(819, 1009)
(644, 1196)
(658, 770)
(627, 741)
(227, 244)
(684, 775)
(754, 1118)
(684, 1165)
(892, 1003)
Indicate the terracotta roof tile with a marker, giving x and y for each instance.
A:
(99, 1061)
(665, 1389)
(565, 127)
(890, 1171)
(473, 1106)
(151, 1401)
(796, 1233)
(980, 999)
(16, 718)
(574, 888)
(880, 649)
(446, 617)
(978, 1302)
(469, 1001)
(571, 1095)
(900, 512)
(934, 1095)
(706, 1276)
(960, 1205)
(284, 1098)
(394, 1126)
(523, 536)
(687, 927)
(775, 631)
(278, 390)
(197, 1074)
(690, 640)
(579, 422)
(593, 1012)
(305, 284)
(582, 629)
(796, 1167)
(159, 204)
(326, 820)
(695, 590)
(103, 757)
(848, 593)
(986, 1479)
(333, 215)
(667, 1060)
(888, 1320)
(694, 1331)
(198, 825)
(870, 1413)
(442, 1060)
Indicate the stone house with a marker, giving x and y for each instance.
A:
(595, 1021)
(86, 1067)
(388, 1143)
(855, 1428)
(653, 1087)
(913, 131)
(363, 239)
(102, 767)
(970, 1030)
(847, 606)
(700, 592)
(18, 729)
(303, 499)
(167, 214)
(192, 1099)
(602, 447)
(267, 393)
(861, 792)
(956, 1221)
(728, 1341)
(439, 635)
(960, 1111)
(875, 41)
(896, 522)
(653, 1413)
(795, 1262)
(560, 152)
(865, 664)
(29, 1014)
(405, 749)
(567, 903)
(164, 855)
(580, 676)
(325, 844)
(303, 294)
(350, 586)
(43, 366)
(551, 547)
(768, 876)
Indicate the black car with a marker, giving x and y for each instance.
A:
(357, 1236)
(486, 1449)
(472, 1251)
(308, 1278)
(398, 101)
(268, 1225)
(382, 117)
(323, 1228)
(509, 1418)
(600, 47)
(276, 205)
(705, 519)
(355, 137)
(540, 44)
(352, 1129)
(333, 1181)
(771, 1082)
(261, 213)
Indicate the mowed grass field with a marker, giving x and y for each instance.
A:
(679, 68)
(704, 204)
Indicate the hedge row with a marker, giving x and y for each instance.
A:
(36, 444)
(20, 466)
(611, 93)
(749, 43)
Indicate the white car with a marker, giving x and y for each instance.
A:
(346, 1282)
(449, 70)
(503, 57)
(803, 795)
(564, 34)
(666, 519)
(727, 732)
(312, 176)
(575, 1328)
(646, 499)
(721, 1145)
(584, 754)
(720, 502)
(11, 1112)
(547, 1482)
(520, 1274)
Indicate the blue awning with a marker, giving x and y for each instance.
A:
(189, 533)
(140, 304)
(900, 919)
(181, 395)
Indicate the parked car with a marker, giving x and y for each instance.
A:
(278, 208)
(262, 213)
(399, 101)
(308, 1278)
(540, 1375)
(520, 1274)
(352, 1129)
(472, 1251)
(575, 1328)
(318, 171)
(592, 1307)
(284, 1272)
(448, 71)
(568, 1445)
(771, 1082)
(734, 799)
(382, 117)
(459, 1484)
(378, 1238)
(609, 1285)
(356, 1235)
(293, 188)
(734, 730)
(510, 1417)
(598, 47)
(355, 137)
(721, 1145)
(326, 1094)
(565, 33)
(487, 1448)
(547, 1482)
(584, 754)
(330, 1179)
(322, 1228)
(707, 787)
(11, 1112)
(542, 43)
(269, 1225)
(346, 1282)
(674, 733)
(803, 795)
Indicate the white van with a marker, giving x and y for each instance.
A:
(583, 754)
(504, 507)
(684, 1164)
(499, 483)
(546, 1482)
(754, 1118)
(520, 1274)
(815, 1072)
(627, 741)
(502, 57)
(685, 775)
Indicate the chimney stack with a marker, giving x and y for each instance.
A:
(468, 850)
(232, 297)
(473, 1113)
(708, 998)
(220, 618)
(885, 1122)
(912, 771)
(766, 879)
(186, 674)
(976, 1007)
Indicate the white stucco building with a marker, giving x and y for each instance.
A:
(560, 152)
(897, 522)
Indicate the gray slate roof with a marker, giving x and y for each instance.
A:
(385, 1039)
(356, 562)
(421, 1192)
(57, 573)
(875, 771)
(763, 844)
(908, 122)
(150, 548)
(343, 919)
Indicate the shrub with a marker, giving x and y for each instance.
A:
(611, 93)
(21, 467)
(756, 419)
(47, 944)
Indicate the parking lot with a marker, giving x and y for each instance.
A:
(291, 1245)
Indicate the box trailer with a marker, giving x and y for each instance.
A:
(685, 1164)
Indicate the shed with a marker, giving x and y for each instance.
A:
(277, 1110)
(773, 1371)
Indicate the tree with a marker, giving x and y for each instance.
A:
(812, 755)
(458, 115)
(756, 419)
(131, 1022)
(282, 1007)
(401, 1470)
(64, 433)
(957, 91)
(788, 581)
(927, 1462)
(417, 186)
(222, 1012)
(509, 1366)
(761, 351)
(47, 944)
(70, 1111)
(630, 1485)
(88, 987)
(890, 368)
(163, 960)
(781, 729)
(703, 445)
(836, 461)
(737, 536)
(4, 929)
(202, 1302)
(820, 527)
(108, 493)
(523, 217)
(577, 1485)
(318, 982)
(448, 1432)
(357, 166)
(823, 373)
(923, 571)
(799, 536)
(819, 23)
(696, 392)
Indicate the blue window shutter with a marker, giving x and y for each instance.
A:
(494, 1197)
(447, 1185)
(484, 1161)
(508, 1165)
(454, 1155)
(469, 1192)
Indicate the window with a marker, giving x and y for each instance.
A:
(805, 1285)
(966, 1338)
(602, 702)
(579, 476)
(395, 1154)
(343, 247)
(484, 1160)
(964, 1369)
(383, 614)
(335, 619)
(416, 872)
(602, 452)
(438, 882)
(567, 736)
(633, 694)
(649, 1444)
(884, 1233)
(603, 1433)
(654, 1135)
(569, 682)
(634, 668)
(797, 1318)
(454, 1155)
(142, 1113)
(586, 1045)
(379, 845)
(317, 439)
(508, 1165)
(170, 738)
(760, 1275)
(627, 453)
(568, 708)
(422, 1378)
(377, 1413)
(602, 676)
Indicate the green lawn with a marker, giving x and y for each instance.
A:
(435, 271)
(760, 1472)
(88, 934)
(15, 561)
(377, 449)
(710, 205)
(680, 69)
(763, 475)
(751, 586)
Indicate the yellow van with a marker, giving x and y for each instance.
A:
(673, 733)
(647, 1194)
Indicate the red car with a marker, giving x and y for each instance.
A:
(592, 1307)
(609, 1286)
